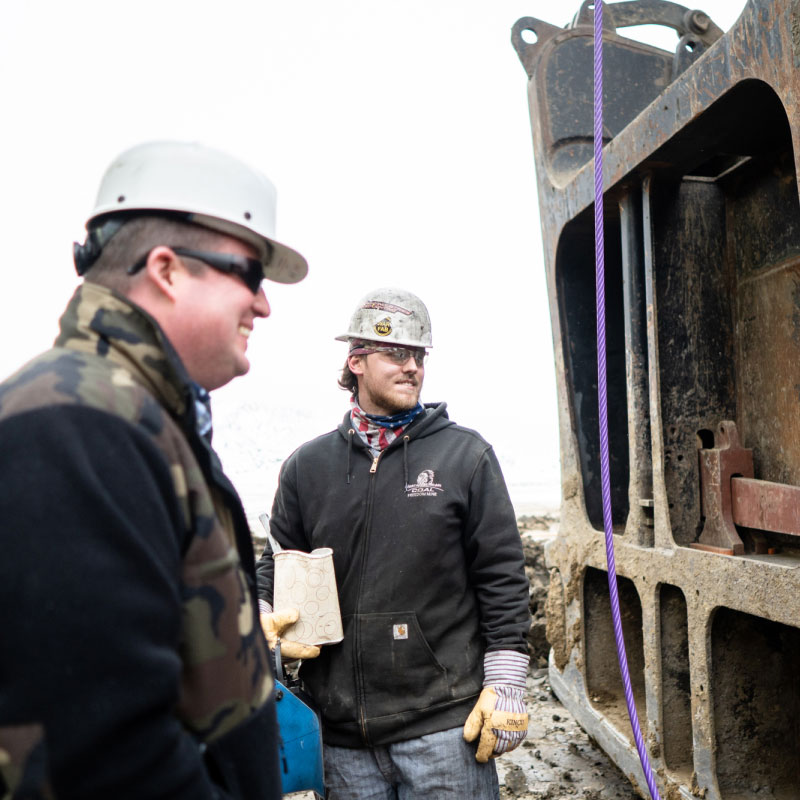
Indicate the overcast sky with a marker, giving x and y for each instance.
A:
(399, 139)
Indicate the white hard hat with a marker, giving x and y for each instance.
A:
(211, 188)
(392, 316)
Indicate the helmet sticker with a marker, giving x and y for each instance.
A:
(379, 305)
(383, 327)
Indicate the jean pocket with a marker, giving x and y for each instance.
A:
(400, 669)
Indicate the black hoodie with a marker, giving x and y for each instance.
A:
(429, 569)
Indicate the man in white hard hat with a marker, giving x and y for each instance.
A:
(429, 568)
(133, 663)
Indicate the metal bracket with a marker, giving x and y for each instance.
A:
(695, 28)
(718, 466)
(528, 51)
(682, 20)
(731, 496)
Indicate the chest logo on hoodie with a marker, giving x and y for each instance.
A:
(425, 485)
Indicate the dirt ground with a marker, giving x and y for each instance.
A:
(557, 760)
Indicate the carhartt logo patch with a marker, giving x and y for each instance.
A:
(425, 486)
(400, 631)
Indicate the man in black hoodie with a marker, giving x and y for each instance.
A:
(429, 568)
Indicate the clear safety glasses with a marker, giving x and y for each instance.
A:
(397, 355)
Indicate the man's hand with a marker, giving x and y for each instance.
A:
(275, 623)
(485, 719)
(499, 715)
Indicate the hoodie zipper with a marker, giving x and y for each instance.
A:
(364, 546)
(357, 638)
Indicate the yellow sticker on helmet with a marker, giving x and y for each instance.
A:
(383, 327)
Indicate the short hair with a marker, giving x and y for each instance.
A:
(348, 381)
(137, 237)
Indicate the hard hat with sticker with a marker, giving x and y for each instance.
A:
(393, 315)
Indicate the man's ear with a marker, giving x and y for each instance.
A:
(356, 364)
(164, 271)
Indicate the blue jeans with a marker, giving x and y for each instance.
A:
(439, 766)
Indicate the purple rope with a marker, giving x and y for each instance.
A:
(602, 398)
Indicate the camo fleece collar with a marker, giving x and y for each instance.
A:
(98, 320)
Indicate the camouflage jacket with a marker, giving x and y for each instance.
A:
(132, 657)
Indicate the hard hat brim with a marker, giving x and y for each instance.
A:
(286, 265)
(282, 264)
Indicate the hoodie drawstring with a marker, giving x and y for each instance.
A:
(350, 435)
(405, 461)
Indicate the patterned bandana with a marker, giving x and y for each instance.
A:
(377, 431)
(202, 407)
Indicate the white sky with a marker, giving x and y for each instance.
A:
(399, 139)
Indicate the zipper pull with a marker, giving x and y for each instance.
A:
(374, 467)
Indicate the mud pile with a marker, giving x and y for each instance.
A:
(535, 532)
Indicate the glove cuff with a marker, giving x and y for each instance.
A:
(264, 607)
(505, 668)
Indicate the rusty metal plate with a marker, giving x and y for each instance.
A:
(765, 505)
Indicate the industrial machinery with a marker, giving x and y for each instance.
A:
(702, 266)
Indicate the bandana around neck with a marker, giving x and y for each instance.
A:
(378, 431)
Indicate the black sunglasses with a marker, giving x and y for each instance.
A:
(249, 270)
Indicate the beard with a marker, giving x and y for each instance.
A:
(388, 399)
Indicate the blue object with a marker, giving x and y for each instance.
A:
(301, 743)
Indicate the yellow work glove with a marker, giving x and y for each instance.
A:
(274, 624)
(487, 721)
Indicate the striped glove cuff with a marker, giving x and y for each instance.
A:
(505, 668)
(264, 607)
